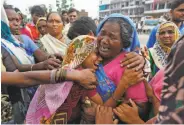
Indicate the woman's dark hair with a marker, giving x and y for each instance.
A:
(48, 15)
(126, 30)
(8, 7)
(17, 9)
(37, 10)
(71, 10)
(63, 12)
(82, 26)
(176, 3)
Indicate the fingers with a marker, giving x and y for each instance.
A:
(115, 121)
(132, 103)
(119, 110)
(91, 86)
(92, 70)
(145, 83)
(116, 112)
(50, 67)
(54, 62)
(128, 56)
(140, 79)
(140, 75)
(133, 64)
(98, 109)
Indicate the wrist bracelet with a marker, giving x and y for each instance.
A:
(32, 67)
(61, 75)
(118, 101)
(53, 77)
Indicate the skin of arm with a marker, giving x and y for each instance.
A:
(27, 67)
(156, 104)
(130, 77)
(31, 78)
(51, 63)
(40, 55)
(120, 90)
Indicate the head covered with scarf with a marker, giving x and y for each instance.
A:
(10, 43)
(40, 19)
(49, 98)
(159, 52)
(176, 33)
(78, 51)
(134, 42)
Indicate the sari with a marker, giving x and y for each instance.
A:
(19, 97)
(171, 109)
(52, 45)
(159, 52)
(59, 103)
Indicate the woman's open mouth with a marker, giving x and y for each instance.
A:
(104, 49)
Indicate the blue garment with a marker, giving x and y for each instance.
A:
(28, 45)
(6, 34)
(135, 40)
(105, 86)
(152, 37)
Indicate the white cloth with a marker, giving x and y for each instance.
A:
(53, 45)
(18, 52)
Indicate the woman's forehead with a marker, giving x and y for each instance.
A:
(54, 16)
(111, 27)
(167, 28)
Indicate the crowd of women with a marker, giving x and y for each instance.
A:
(59, 70)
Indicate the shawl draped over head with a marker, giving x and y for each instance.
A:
(40, 19)
(10, 43)
(159, 52)
(135, 40)
(49, 98)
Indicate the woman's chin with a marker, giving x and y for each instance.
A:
(104, 55)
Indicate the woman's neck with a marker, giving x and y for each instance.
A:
(178, 24)
(59, 37)
(108, 60)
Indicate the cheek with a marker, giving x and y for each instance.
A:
(11, 24)
(116, 46)
(60, 26)
(49, 26)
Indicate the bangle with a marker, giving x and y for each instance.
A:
(60, 75)
(53, 77)
(32, 67)
(118, 101)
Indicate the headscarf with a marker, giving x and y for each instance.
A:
(176, 34)
(40, 19)
(49, 98)
(10, 43)
(135, 40)
(159, 52)
(78, 50)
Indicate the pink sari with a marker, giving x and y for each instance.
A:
(114, 71)
(45, 101)
(157, 82)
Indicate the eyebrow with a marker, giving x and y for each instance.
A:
(181, 9)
